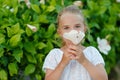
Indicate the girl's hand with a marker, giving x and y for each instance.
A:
(72, 52)
(67, 55)
(77, 52)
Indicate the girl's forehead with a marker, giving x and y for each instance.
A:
(71, 16)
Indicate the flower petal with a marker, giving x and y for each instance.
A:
(74, 36)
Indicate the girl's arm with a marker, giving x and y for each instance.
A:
(55, 74)
(96, 72)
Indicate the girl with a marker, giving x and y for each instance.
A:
(73, 61)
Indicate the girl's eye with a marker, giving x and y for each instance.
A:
(77, 26)
(66, 27)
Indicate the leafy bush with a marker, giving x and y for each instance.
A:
(22, 49)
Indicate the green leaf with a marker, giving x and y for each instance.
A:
(40, 57)
(30, 47)
(18, 54)
(3, 75)
(106, 3)
(15, 3)
(28, 31)
(9, 32)
(43, 19)
(31, 58)
(90, 38)
(2, 38)
(49, 46)
(38, 77)
(91, 4)
(35, 8)
(102, 10)
(50, 8)
(1, 52)
(15, 28)
(14, 40)
(41, 45)
(110, 27)
(15, 10)
(50, 31)
(29, 69)
(4, 61)
(53, 2)
(12, 68)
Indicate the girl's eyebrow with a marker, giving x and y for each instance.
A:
(78, 24)
(65, 25)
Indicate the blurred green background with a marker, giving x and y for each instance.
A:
(28, 33)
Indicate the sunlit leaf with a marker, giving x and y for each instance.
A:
(3, 75)
(38, 77)
(2, 38)
(14, 40)
(43, 19)
(41, 45)
(50, 31)
(13, 69)
(30, 68)
(35, 8)
(30, 47)
(50, 8)
(31, 58)
(48, 47)
(18, 54)
(15, 28)
(1, 52)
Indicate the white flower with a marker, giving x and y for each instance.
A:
(42, 1)
(11, 10)
(78, 3)
(74, 36)
(27, 3)
(7, 7)
(33, 28)
(118, 1)
(103, 45)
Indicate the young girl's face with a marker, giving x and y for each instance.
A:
(68, 22)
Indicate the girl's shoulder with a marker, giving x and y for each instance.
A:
(90, 48)
(93, 55)
(91, 51)
(55, 52)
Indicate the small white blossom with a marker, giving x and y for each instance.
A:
(103, 45)
(118, 1)
(28, 3)
(7, 7)
(33, 28)
(20, 1)
(11, 10)
(74, 36)
(42, 1)
(78, 3)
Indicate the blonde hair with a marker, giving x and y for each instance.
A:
(70, 9)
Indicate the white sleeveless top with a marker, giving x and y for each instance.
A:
(74, 70)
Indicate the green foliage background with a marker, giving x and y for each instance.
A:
(22, 51)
